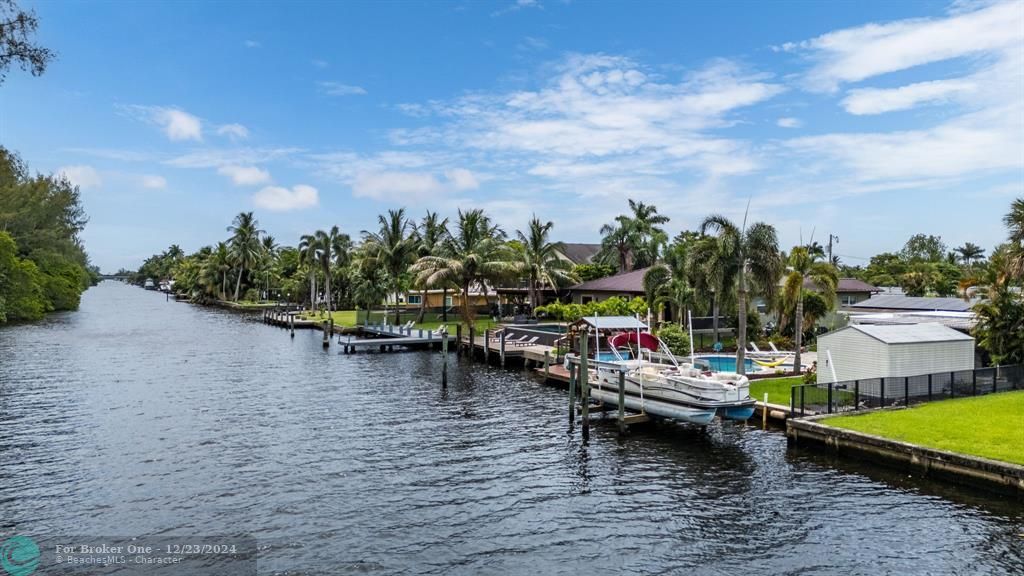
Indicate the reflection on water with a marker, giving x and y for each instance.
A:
(140, 416)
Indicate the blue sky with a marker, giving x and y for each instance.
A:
(868, 120)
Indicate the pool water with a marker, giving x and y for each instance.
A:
(726, 363)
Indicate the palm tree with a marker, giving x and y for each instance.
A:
(430, 233)
(633, 240)
(308, 257)
(712, 270)
(807, 267)
(970, 252)
(220, 260)
(245, 244)
(393, 248)
(540, 259)
(331, 246)
(754, 252)
(473, 255)
(668, 283)
(1014, 220)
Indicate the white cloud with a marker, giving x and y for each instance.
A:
(518, 5)
(153, 181)
(879, 100)
(339, 89)
(462, 179)
(410, 186)
(233, 131)
(175, 122)
(245, 175)
(251, 44)
(320, 63)
(281, 199)
(788, 122)
(215, 157)
(854, 54)
(975, 143)
(178, 124)
(83, 176)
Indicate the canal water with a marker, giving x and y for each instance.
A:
(137, 416)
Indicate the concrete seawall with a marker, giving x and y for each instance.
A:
(974, 471)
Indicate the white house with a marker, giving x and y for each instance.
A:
(864, 351)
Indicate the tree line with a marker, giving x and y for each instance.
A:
(43, 266)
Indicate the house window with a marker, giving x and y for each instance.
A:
(447, 301)
(415, 299)
(586, 299)
(848, 299)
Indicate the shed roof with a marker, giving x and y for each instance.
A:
(894, 302)
(907, 333)
(632, 282)
(613, 322)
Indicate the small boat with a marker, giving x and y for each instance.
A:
(149, 285)
(656, 382)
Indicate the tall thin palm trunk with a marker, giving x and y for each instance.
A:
(398, 307)
(798, 324)
(444, 304)
(714, 316)
(741, 330)
(238, 282)
(423, 305)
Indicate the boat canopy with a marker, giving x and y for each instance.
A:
(613, 322)
(645, 339)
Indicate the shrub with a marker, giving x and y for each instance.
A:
(675, 338)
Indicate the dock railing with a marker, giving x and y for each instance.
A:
(850, 395)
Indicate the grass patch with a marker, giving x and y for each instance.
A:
(778, 389)
(352, 318)
(987, 426)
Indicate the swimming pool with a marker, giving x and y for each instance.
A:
(726, 363)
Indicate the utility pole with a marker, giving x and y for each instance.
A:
(831, 238)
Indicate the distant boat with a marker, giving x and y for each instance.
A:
(149, 285)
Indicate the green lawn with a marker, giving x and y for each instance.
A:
(351, 318)
(990, 426)
(777, 389)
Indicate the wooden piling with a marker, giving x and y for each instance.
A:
(327, 339)
(572, 394)
(547, 365)
(622, 401)
(585, 383)
(764, 413)
(291, 322)
(487, 346)
(472, 341)
(502, 348)
(458, 339)
(444, 354)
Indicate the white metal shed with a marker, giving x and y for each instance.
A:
(863, 351)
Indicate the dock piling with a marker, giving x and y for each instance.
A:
(444, 354)
(458, 339)
(472, 341)
(547, 365)
(502, 348)
(291, 323)
(764, 413)
(487, 346)
(585, 383)
(327, 339)
(572, 395)
(622, 402)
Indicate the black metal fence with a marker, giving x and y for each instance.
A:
(850, 395)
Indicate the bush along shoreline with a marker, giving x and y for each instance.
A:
(43, 266)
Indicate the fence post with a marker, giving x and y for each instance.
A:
(881, 390)
(974, 382)
(929, 387)
(828, 409)
(856, 394)
(995, 379)
(952, 384)
(906, 390)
